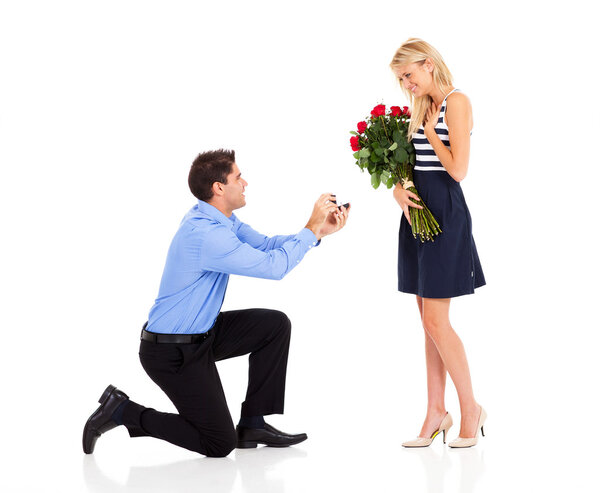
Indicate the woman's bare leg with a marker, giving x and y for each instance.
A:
(436, 384)
(435, 316)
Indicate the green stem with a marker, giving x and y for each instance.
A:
(384, 129)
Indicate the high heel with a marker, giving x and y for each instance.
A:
(469, 442)
(445, 425)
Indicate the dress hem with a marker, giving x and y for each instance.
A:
(422, 295)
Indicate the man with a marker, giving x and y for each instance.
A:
(186, 333)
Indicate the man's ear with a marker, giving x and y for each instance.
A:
(217, 188)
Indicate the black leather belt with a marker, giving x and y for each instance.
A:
(174, 338)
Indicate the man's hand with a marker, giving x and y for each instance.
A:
(325, 206)
(335, 221)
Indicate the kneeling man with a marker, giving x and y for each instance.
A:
(187, 333)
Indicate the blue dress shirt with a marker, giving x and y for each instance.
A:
(207, 247)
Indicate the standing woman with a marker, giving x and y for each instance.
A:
(435, 272)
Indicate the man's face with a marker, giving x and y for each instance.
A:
(234, 189)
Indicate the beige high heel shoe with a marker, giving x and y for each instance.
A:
(426, 442)
(469, 442)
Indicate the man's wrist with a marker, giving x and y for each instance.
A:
(314, 229)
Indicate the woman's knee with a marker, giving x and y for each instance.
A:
(435, 327)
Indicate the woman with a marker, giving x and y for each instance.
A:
(440, 127)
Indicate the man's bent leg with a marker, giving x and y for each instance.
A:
(188, 375)
(265, 334)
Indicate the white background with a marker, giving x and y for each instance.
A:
(103, 107)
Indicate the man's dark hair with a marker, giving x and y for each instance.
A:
(207, 168)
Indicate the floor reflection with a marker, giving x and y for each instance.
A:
(255, 469)
(438, 463)
(435, 466)
(471, 468)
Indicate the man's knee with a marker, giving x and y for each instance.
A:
(282, 327)
(283, 322)
(222, 446)
(275, 321)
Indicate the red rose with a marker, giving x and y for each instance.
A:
(379, 110)
(362, 126)
(396, 111)
(354, 143)
(405, 110)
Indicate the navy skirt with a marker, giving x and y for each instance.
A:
(448, 266)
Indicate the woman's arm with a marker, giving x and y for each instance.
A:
(460, 122)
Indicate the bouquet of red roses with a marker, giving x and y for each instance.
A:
(382, 147)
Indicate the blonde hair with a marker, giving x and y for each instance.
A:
(415, 50)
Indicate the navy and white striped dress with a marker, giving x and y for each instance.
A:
(448, 266)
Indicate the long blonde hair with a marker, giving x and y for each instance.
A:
(415, 50)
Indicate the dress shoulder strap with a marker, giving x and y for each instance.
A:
(453, 90)
(445, 108)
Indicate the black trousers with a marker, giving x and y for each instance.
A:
(188, 375)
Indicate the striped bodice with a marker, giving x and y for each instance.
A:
(426, 159)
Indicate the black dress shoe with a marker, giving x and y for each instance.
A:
(269, 436)
(101, 421)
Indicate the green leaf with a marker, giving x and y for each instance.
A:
(364, 153)
(353, 132)
(397, 137)
(375, 180)
(400, 155)
(393, 147)
(390, 182)
(379, 151)
(356, 155)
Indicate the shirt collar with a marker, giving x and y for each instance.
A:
(214, 213)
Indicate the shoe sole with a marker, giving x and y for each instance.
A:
(430, 443)
(253, 444)
(106, 394)
(103, 398)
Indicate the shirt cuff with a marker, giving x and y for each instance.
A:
(307, 238)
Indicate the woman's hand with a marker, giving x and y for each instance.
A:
(432, 117)
(403, 197)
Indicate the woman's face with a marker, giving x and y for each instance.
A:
(416, 77)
